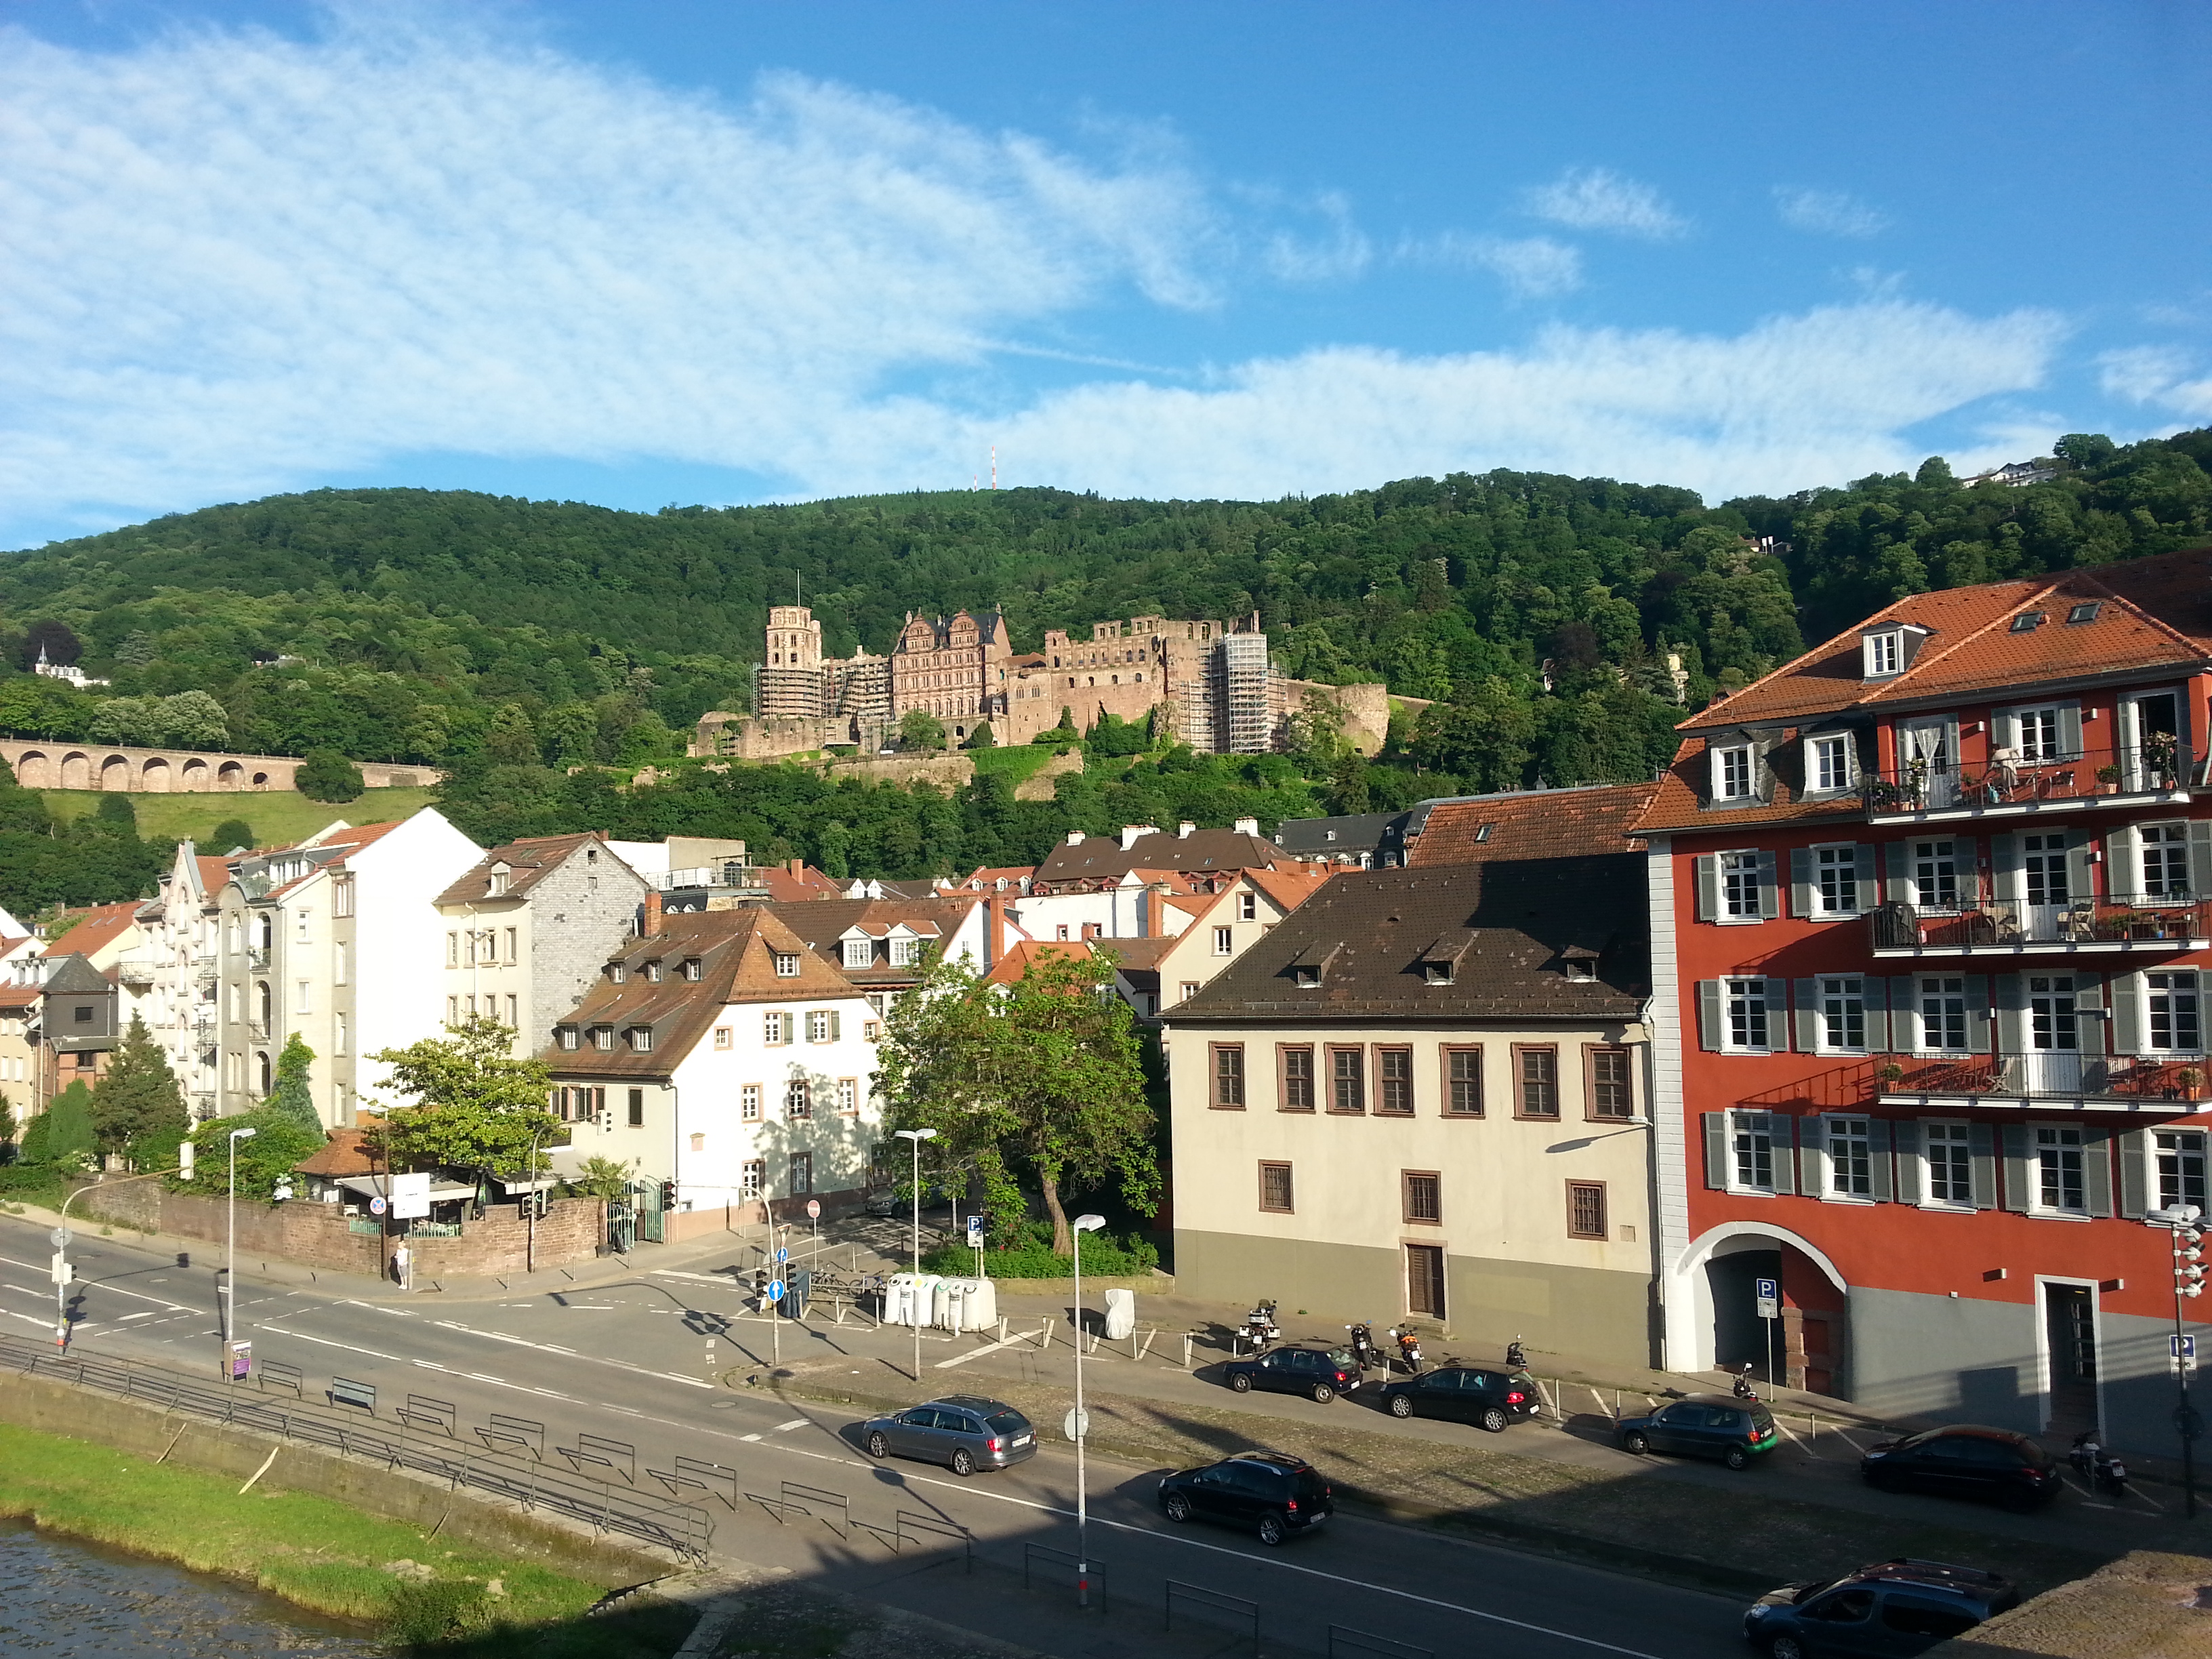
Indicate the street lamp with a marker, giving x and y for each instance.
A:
(915, 1136)
(230, 1245)
(1083, 1223)
(2186, 1220)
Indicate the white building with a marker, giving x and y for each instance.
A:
(169, 978)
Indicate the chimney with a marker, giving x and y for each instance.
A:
(1131, 832)
(1247, 826)
(1075, 838)
(796, 866)
(1183, 829)
(651, 914)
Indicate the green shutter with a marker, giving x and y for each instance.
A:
(2019, 1166)
(1804, 1014)
(2135, 1173)
(1802, 903)
(1981, 1159)
(1904, 1140)
(1711, 1024)
(1716, 1151)
(1706, 870)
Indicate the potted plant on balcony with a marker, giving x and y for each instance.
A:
(2192, 1079)
(2109, 778)
(1889, 1072)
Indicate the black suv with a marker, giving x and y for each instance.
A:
(1893, 1607)
(1465, 1393)
(1321, 1373)
(1271, 1493)
(1966, 1461)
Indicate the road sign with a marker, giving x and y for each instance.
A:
(241, 1359)
(974, 1232)
(1076, 1425)
(2183, 1350)
(782, 1254)
(775, 1290)
(814, 1209)
(1768, 1294)
(60, 1237)
(410, 1196)
(376, 1206)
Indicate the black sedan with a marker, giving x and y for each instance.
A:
(1320, 1374)
(1273, 1493)
(1466, 1394)
(1966, 1461)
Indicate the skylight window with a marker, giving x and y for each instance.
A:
(2027, 622)
(1483, 834)
(2085, 612)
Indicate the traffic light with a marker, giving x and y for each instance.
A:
(667, 1194)
(2189, 1256)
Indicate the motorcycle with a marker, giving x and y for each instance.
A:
(1259, 1329)
(1364, 1350)
(2098, 1468)
(1743, 1390)
(1409, 1349)
(1517, 1357)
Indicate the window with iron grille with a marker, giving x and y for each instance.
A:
(1463, 1082)
(1586, 1209)
(1275, 1187)
(1298, 1079)
(1394, 1082)
(1229, 1075)
(1422, 1192)
(1539, 1070)
(1606, 1071)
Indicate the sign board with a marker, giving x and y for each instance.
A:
(241, 1359)
(814, 1209)
(1076, 1425)
(59, 1237)
(1768, 1291)
(775, 1290)
(974, 1232)
(410, 1197)
(782, 1254)
(377, 1206)
(2183, 1350)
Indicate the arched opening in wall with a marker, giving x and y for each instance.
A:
(154, 776)
(263, 1006)
(229, 775)
(262, 1069)
(77, 770)
(1802, 1344)
(260, 780)
(34, 769)
(115, 773)
(195, 776)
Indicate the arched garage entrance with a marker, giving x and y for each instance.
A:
(1713, 1317)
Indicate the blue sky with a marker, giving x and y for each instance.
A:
(692, 252)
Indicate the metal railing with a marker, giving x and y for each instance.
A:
(2009, 924)
(1918, 787)
(684, 1528)
(2057, 1073)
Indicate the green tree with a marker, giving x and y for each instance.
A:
(8, 1128)
(327, 776)
(277, 1145)
(229, 835)
(138, 1110)
(476, 1106)
(1040, 1078)
(983, 737)
(117, 814)
(921, 730)
(601, 1177)
(292, 1095)
(63, 1134)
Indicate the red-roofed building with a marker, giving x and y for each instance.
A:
(1931, 920)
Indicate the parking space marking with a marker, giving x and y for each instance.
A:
(795, 1423)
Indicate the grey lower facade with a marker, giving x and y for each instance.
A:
(1594, 1315)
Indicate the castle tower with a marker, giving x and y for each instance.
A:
(791, 665)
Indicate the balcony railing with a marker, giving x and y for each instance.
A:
(741, 877)
(2044, 1073)
(2127, 924)
(2005, 788)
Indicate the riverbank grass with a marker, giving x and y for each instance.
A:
(313, 1551)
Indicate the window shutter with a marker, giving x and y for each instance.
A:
(2069, 729)
(836, 1025)
(2018, 1176)
(1800, 882)
(1982, 1161)
(1812, 1157)
(1905, 1014)
(1707, 867)
(1877, 1015)
(1785, 1130)
(1710, 1024)
(1905, 1138)
(2081, 880)
(2097, 1168)
(1951, 740)
(1898, 856)
(2012, 1014)
(1804, 1014)
(2200, 856)
(1777, 1016)
(1973, 884)
(1869, 888)
(1716, 1151)
(2005, 865)
(2135, 1173)
(1770, 893)
(2122, 864)
(1878, 1149)
(1977, 1014)
(2127, 1013)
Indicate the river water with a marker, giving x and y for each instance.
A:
(61, 1599)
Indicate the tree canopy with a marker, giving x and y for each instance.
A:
(474, 1105)
(138, 1110)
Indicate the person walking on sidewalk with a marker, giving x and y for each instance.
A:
(403, 1267)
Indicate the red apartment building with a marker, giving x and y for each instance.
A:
(1929, 929)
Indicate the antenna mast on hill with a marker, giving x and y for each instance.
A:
(796, 598)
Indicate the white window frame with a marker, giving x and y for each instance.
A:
(1225, 941)
(858, 953)
(1740, 1123)
(2081, 1148)
(1921, 1045)
(775, 1030)
(1835, 1130)
(1738, 763)
(817, 1025)
(2172, 841)
(1881, 655)
(1751, 866)
(1828, 989)
(787, 965)
(1769, 1014)
(2164, 1194)
(1964, 1140)
(1959, 880)
(2053, 856)
(1819, 779)
(1841, 860)
(904, 950)
(749, 1103)
(2045, 715)
(1247, 907)
(2151, 993)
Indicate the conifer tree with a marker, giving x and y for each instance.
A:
(137, 1108)
(62, 1135)
(291, 1096)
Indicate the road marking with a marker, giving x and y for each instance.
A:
(27, 1319)
(1848, 1441)
(20, 1291)
(1021, 1339)
(148, 1313)
(570, 1353)
(102, 1284)
(795, 1423)
(723, 1279)
(748, 1437)
(396, 1313)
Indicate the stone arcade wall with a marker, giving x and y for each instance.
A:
(40, 764)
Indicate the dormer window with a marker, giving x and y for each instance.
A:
(1732, 772)
(640, 1039)
(691, 969)
(1438, 973)
(498, 874)
(1308, 974)
(1884, 654)
(603, 1038)
(1580, 971)
(905, 951)
(567, 1037)
(787, 965)
(653, 973)
(617, 974)
(858, 953)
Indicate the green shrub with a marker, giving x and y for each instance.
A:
(1032, 1257)
(428, 1612)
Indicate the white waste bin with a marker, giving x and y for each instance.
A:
(968, 1304)
(1121, 1315)
(908, 1300)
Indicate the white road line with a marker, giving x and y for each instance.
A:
(748, 1437)
(42, 1324)
(1848, 1441)
(118, 1289)
(148, 1313)
(20, 1290)
(1018, 1340)
(570, 1353)
(396, 1313)
(723, 1279)
(795, 1423)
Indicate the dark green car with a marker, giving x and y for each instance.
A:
(1717, 1425)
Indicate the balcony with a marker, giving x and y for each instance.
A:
(2045, 1077)
(2121, 926)
(1917, 793)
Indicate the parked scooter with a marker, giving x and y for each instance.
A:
(1517, 1357)
(1363, 1350)
(1743, 1390)
(2102, 1471)
(1409, 1348)
(1259, 1329)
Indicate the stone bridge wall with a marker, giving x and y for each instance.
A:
(40, 764)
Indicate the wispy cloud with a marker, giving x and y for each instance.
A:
(1342, 252)
(1597, 198)
(2156, 375)
(238, 264)
(1531, 267)
(1827, 213)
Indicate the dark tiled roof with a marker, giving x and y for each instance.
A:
(1540, 824)
(1360, 832)
(73, 976)
(1097, 856)
(529, 861)
(1509, 925)
(822, 922)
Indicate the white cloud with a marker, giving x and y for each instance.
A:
(1532, 267)
(1341, 254)
(1829, 213)
(1597, 198)
(235, 264)
(2156, 375)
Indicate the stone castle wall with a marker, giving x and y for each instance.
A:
(40, 764)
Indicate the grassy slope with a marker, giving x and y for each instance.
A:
(278, 816)
(1016, 765)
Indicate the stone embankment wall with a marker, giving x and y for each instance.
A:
(318, 1236)
(39, 764)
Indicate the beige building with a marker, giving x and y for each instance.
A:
(1423, 1094)
(1213, 930)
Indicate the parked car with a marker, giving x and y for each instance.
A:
(964, 1432)
(1897, 1607)
(1321, 1373)
(1965, 1460)
(1274, 1494)
(1703, 1425)
(1466, 1394)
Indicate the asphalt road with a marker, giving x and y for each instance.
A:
(638, 1361)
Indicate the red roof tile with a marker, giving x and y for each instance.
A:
(1540, 823)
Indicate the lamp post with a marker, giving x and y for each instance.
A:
(914, 1138)
(1083, 1223)
(64, 1276)
(2186, 1220)
(230, 1245)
